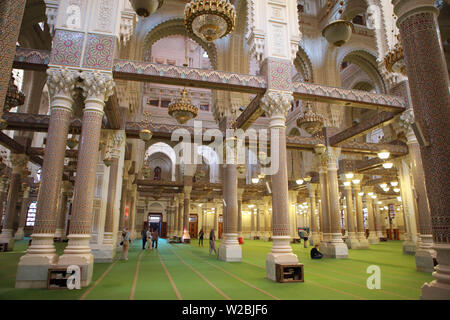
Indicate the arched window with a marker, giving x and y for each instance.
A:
(157, 174)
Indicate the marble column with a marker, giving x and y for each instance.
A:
(97, 88)
(108, 251)
(3, 194)
(408, 201)
(216, 217)
(180, 214)
(229, 249)
(11, 14)
(23, 212)
(240, 193)
(258, 221)
(361, 234)
(373, 237)
(315, 235)
(132, 225)
(428, 80)
(267, 228)
(18, 162)
(32, 269)
(62, 210)
(187, 207)
(352, 239)
(324, 203)
(424, 252)
(276, 104)
(252, 224)
(336, 248)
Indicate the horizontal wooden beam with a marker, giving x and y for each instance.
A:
(16, 147)
(188, 77)
(31, 59)
(377, 121)
(347, 97)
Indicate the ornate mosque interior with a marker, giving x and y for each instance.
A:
(264, 121)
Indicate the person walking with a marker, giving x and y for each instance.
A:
(144, 237)
(212, 242)
(149, 238)
(155, 237)
(200, 237)
(125, 244)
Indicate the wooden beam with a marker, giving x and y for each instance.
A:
(16, 147)
(347, 97)
(188, 77)
(377, 121)
(112, 112)
(31, 59)
(250, 114)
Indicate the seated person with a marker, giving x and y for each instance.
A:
(315, 254)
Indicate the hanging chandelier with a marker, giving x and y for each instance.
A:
(310, 121)
(144, 8)
(146, 134)
(395, 60)
(209, 19)
(14, 97)
(182, 109)
(339, 31)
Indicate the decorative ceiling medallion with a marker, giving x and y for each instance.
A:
(144, 8)
(182, 109)
(209, 19)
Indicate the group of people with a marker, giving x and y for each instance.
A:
(212, 240)
(148, 237)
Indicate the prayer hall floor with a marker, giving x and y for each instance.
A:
(182, 271)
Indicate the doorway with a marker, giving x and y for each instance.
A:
(154, 221)
(193, 226)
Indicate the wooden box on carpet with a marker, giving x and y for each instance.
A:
(3, 247)
(289, 272)
(57, 278)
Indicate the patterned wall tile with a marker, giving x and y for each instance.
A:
(67, 48)
(99, 52)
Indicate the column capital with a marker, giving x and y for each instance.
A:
(66, 186)
(18, 162)
(61, 86)
(405, 8)
(116, 138)
(276, 103)
(96, 87)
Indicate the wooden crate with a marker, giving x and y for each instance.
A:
(289, 272)
(3, 247)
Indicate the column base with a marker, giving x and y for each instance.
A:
(7, 237)
(281, 254)
(20, 234)
(363, 242)
(78, 252)
(424, 260)
(373, 238)
(409, 247)
(335, 248)
(104, 253)
(186, 238)
(439, 289)
(32, 270)
(229, 249)
(352, 242)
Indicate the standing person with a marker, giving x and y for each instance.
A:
(125, 244)
(305, 239)
(155, 237)
(212, 242)
(149, 238)
(200, 237)
(144, 237)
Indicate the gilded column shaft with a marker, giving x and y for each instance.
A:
(113, 174)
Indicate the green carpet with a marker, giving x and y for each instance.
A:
(188, 272)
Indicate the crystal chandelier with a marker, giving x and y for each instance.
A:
(14, 97)
(144, 8)
(209, 19)
(395, 60)
(310, 121)
(182, 109)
